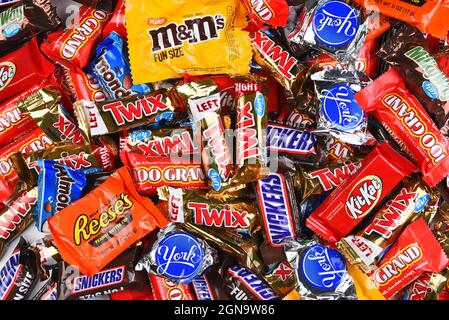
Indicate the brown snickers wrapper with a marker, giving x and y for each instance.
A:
(251, 126)
(193, 207)
(413, 200)
(117, 276)
(408, 51)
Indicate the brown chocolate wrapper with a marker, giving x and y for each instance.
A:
(45, 107)
(115, 115)
(412, 201)
(31, 17)
(308, 181)
(16, 217)
(281, 278)
(408, 51)
(251, 125)
(194, 207)
(279, 62)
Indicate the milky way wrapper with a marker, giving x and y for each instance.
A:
(366, 247)
(170, 38)
(399, 111)
(429, 16)
(97, 228)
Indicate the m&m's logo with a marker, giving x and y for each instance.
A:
(364, 197)
(336, 23)
(322, 268)
(7, 73)
(179, 256)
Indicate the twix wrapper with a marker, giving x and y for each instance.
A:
(189, 206)
(358, 195)
(97, 228)
(112, 116)
(416, 251)
(429, 16)
(171, 38)
(393, 105)
(366, 247)
(278, 61)
(252, 122)
(203, 100)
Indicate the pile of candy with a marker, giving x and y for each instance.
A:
(224, 149)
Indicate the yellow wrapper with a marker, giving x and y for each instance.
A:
(364, 287)
(169, 38)
(292, 295)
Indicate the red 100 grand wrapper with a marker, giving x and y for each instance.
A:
(398, 110)
(358, 195)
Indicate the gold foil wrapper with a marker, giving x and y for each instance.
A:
(281, 278)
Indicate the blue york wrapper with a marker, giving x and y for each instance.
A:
(59, 186)
(111, 68)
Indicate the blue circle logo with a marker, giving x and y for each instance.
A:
(179, 256)
(215, 178)
(11, 30)
(336, 23)
(322, 268)
(430, 89)
(340, 108)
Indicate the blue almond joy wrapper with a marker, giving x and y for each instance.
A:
(59, 186)
(111, 68)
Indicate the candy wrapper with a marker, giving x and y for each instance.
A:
(218, 46)
(178, 256)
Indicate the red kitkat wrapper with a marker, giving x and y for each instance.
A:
(415, 252)
(358, 195)
(164, 289)
(22, 68)
(73, 46)
(270, 12)
(393, 105)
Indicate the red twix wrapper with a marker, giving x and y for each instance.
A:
(415, 252)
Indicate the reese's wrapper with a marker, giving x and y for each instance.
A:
(335, 27)
(19, 273)
(97, 228)
(22, 20)
(190, 206)
(392, 104)
(59, 186)
(16, 217)
(168, 39)
(358, 195)
(409, 52)
(321, 272)
(251, 139)
(242, 284)
(366, 247)
(115, 115)
(117, 276)
(278, 61)
(429, 16)
(416, 251)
